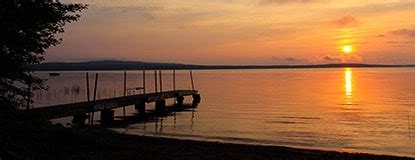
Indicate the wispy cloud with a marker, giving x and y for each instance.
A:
(404, 32)
(346, 21)
(331, 59)
(334, 58)
(288, 60)
(285, 59)
(265, 2)
(401, 44)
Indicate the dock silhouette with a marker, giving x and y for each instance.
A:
(81, 111)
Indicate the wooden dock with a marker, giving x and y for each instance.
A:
(85, 110)
(82, 108)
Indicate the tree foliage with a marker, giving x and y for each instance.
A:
(27, 29)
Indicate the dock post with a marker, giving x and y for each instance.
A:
(88, 97)
(191, 80)
(140, 107)
(155, 82)
(180, 100)
(94, 98)
(174, 80)
(107, 116)
(144, 81)
(161, 82)
(196, 98)
(160, 105)
(87, 87)
(125, 92)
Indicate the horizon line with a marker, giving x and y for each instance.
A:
(236, 65)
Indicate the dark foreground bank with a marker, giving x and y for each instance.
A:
(41, 140)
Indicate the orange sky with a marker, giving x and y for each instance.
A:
(242, 31)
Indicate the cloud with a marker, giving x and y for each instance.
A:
(401, 44)
(345, 21)
(265, 2)
(404, 32)
(291, 59)
(331, 59)
(285, 59)
(288, 60)
(381, 35)
(380, 7)
(334, 58)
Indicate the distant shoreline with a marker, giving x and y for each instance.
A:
(132, 65)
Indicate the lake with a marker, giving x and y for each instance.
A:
(344, 109)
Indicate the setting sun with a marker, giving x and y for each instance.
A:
(347, 49)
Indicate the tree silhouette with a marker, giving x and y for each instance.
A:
(27, 28)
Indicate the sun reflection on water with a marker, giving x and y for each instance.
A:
(348, 86)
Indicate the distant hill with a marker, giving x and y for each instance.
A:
(134, 65)
(105, 65)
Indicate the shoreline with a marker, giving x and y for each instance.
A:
(129, 146)
(39, 139)
(259, 144)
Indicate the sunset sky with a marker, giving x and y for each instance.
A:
(242, 32)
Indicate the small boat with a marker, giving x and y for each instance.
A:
(54, 74)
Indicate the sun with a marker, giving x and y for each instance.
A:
(347, 49)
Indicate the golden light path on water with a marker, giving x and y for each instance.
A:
(348, 86)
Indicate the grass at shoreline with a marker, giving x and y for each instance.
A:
(42, 140)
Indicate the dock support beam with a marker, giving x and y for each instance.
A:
(107, 116)
(140, 107)
(160, 105)
(196, 98)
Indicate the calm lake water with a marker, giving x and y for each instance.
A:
(346, 109)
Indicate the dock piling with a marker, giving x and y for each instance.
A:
(88, 97)
(161, 82)
(191, 80)
(107, 116)
(125, 92)
(180, 100)
(94, 98)
(144, 82)
(160, 105)
(196, 98)
(140, 107)
(174, 80)
(87, 87)
(155, 82)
